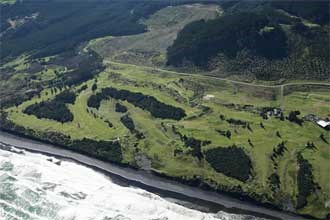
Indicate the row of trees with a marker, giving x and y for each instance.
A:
(129, 124)
(226, 133)
(54, 109)
(145, 102)
(274, 182)
(305, 181)
(274, 179)
(105, 150)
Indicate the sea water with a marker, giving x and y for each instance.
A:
(36, 186)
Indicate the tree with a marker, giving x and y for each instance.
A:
(222, 117)
(228, 134)
(323, 138)
(293, 117)
(94, 87)
(250, 143)
(195, 144)
(249, 127)
(278, 134)
(120, 108)
(262, 125)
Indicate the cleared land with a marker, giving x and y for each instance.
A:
(203, 122)
(149, 48)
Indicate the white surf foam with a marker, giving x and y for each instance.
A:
(32, 186)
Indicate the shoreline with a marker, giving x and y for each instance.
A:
(191, 197)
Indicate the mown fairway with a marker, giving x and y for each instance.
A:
(203, 100)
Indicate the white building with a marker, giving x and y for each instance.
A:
(323, 124)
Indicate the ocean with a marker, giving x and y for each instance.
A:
(34, 186)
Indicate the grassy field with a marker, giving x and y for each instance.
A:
(190, 93)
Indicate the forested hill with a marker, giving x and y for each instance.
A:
(263, 40)
(315, 10)
(50, 27)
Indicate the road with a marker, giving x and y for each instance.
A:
(281, 87)
(222, 79)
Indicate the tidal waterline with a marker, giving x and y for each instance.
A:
(160, 186)
(36, 186)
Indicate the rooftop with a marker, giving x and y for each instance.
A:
(323, 123)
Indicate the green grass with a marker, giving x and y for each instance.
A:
(161, 142)
(308, 103)
(19, 76)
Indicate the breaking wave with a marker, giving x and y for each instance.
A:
(34, 186)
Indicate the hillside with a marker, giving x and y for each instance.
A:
(151, 85)
(149, 48)
(258, 40)
(39, 41)
(45, 28)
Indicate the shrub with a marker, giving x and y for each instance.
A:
(128, 122)
(120, 108)
(66, 96)
(195, 144)
(94, 101)
(274, 182)
(293, 117)
(94, 87)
